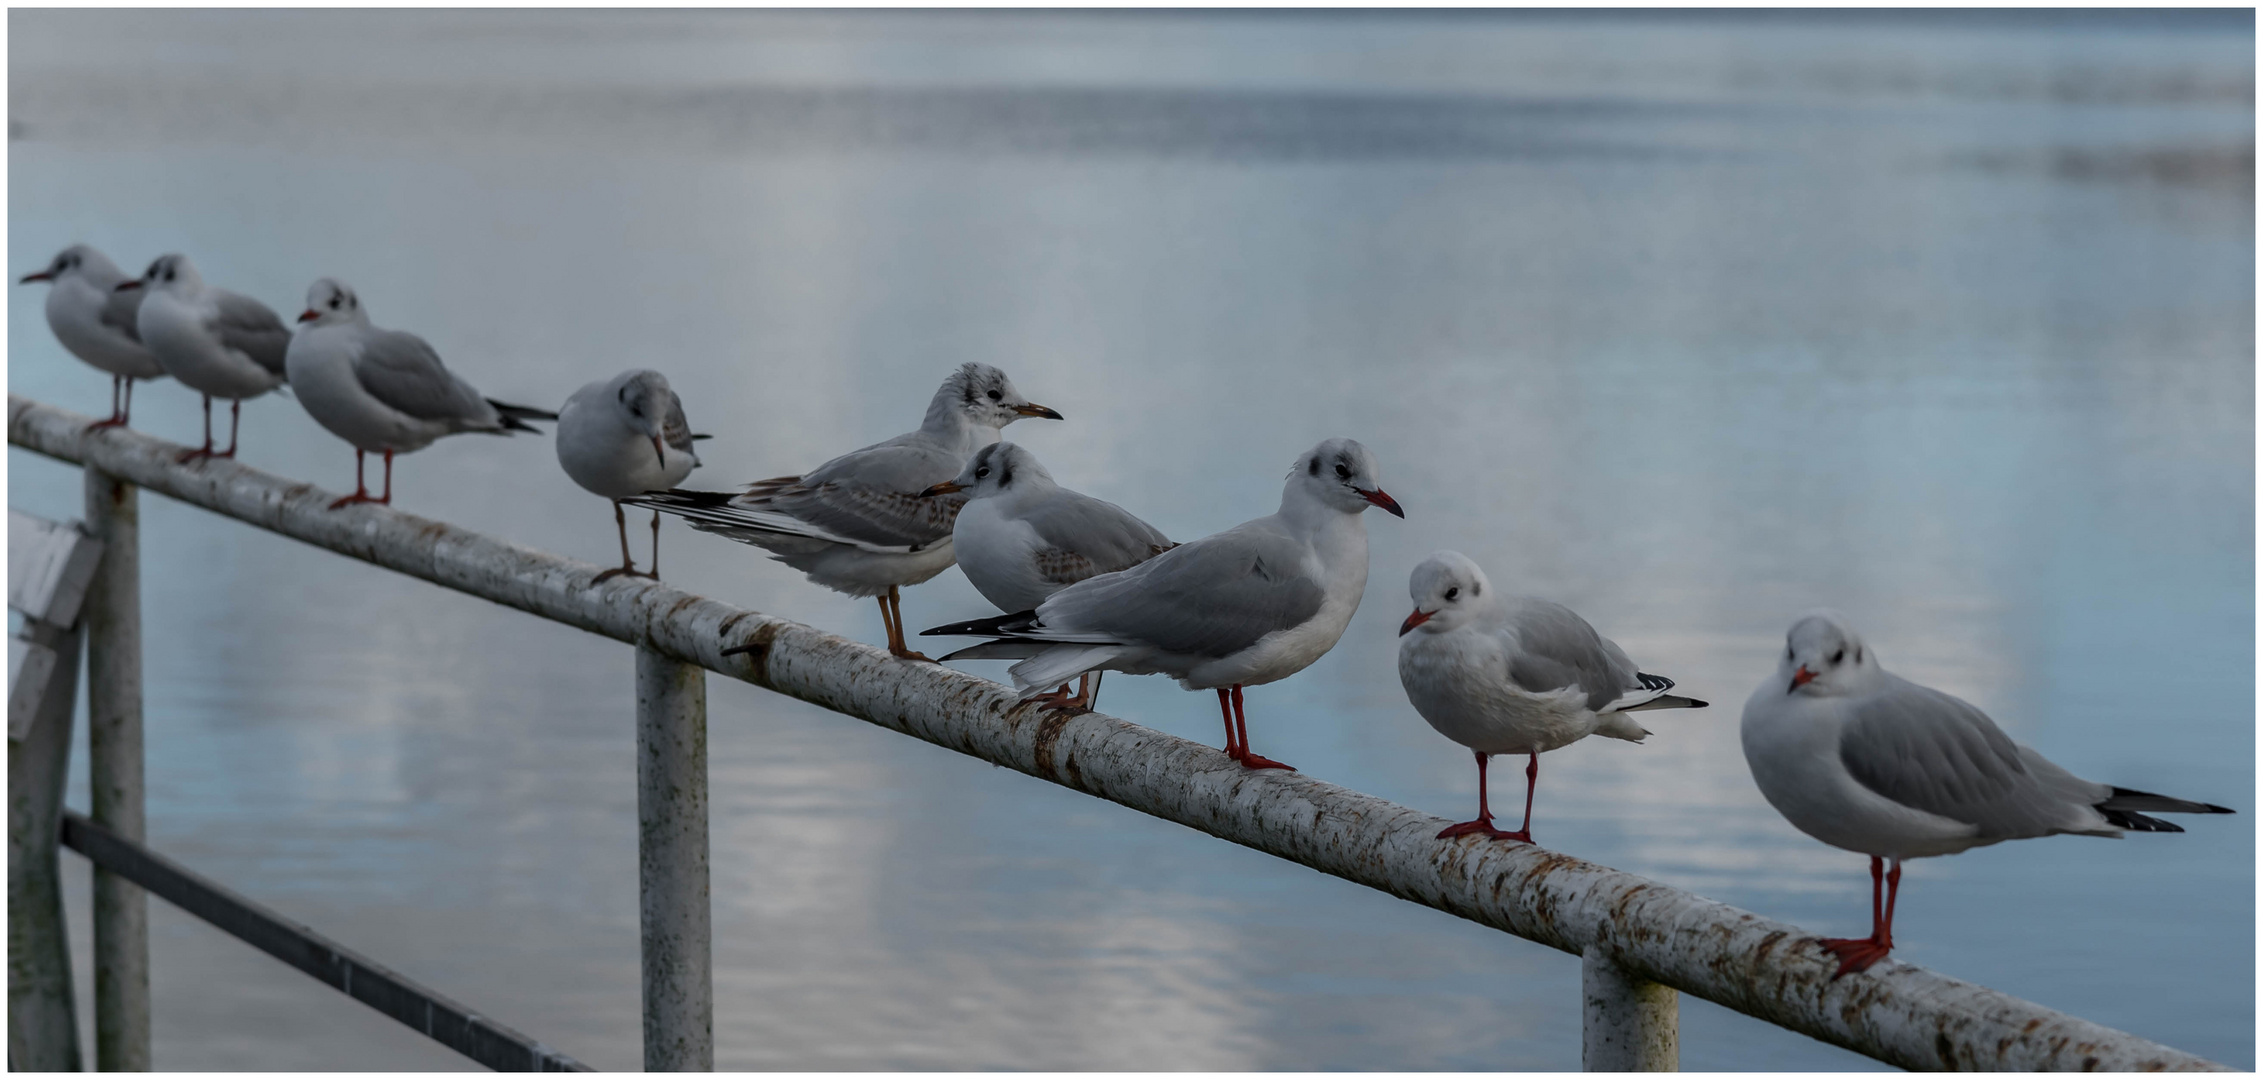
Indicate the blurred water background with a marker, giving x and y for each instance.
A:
(1691, 321)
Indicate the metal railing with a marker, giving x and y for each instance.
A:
(1639, 940)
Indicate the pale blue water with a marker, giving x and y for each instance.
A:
(1690, 322)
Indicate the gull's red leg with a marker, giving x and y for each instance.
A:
(1857, 954)
(117, 413)
(1226, 709)
(361, 490)
(235, 418)
(1251, 758)
(204, 451)
(628, 565)
(897, 644)
(1483, 825)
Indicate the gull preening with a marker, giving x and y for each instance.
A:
(1021, 537)
(1514, 675)
(626, 436)
(1866, 760)
(384, 391)
(217, 343)
(1248, 606)
(858, 524)
(95, 320)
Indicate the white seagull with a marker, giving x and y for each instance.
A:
(1514, 675)
(384, 391)
(858, 524)
(1021, 537)
(1248, 606)
(1866, 760)
(626, 436)
(217, 343)
(94, 319)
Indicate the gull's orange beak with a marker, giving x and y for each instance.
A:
(1037, 410)
(309, 315)
(1385, 501)
(37, 275)
(944, 488)
(1801, 678)
(1417, 619)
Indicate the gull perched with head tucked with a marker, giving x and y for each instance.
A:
(384, 391)
(858, 524)
(1248, 606)
(1021, 537)
(626, 436)
(1866, 760)
(94, 319)
(1514, 675)
(217, 343)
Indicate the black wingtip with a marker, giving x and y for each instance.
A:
(696, 436)
(1696, 704)
(992, 627)
(2136, 822)
(512, 412)
(680, 497)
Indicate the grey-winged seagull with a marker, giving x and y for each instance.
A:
(217, 343)
(1248, 606)
(625, 436)
(1514, 675)
(1863, 759)
(95, 320)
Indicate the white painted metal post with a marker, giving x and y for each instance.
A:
(43, 1027)
(114, 751)
(671, 810)
(1628, 1024)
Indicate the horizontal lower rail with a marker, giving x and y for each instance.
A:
(440, 1019)
(1895, 1012)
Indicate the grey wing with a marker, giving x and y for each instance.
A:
(402, 371)
(1937, 753)
(121, 311)
(1084, 536)
(1557, 650)
(872, 496)
(252, 328)
(1213, 597)
(673, 427)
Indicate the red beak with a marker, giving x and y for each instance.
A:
(1385, 501)
(1417, 619)
(309, 315)
(126, 285)
(1801, 678)
(40, 275)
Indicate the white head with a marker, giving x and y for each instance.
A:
(171, 273)
(330, 302)
(997, 469)
(644, 402)
(80, 261)
(982, 396)
(1341, 475)
(1823, 657)
(1449, 590)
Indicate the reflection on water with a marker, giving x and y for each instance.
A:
(1690, 322)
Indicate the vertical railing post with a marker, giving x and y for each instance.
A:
(671, 810)
(43, 1026)
(112, 615)
(1627, 1024)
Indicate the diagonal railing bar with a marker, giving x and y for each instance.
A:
(1895, 1012)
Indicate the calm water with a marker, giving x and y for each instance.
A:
(1692, 323)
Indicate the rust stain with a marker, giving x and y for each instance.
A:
(1049, 733)
(757, 655)
(724, 630)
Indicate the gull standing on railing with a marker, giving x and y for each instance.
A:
(1514, 675)
(1021, 537)
(1866, 760)
(1248, 606)
(858, 524)
(384, 391)
(94, 319)
(604, 431)
(217, 343)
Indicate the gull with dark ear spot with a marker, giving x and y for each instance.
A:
(218, 343)
(1863, 759)
(626, 436)
(92, 306)
(1021, 538)
(1248, 606)
(858, 524)
(1514, 675)
(384, 391)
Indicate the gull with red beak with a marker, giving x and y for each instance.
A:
(1514, 675)
(626, 436)
(861, 524)
(1251, 605)
(92, 306)
(218, 343)
(384, 391)
(1865, 760)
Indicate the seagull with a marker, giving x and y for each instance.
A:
(94, 319)
(218, 343)
(1021, 538)
(1866, 760)
(1248, 606)
(858, 524)
(1514, 675)
(603, 432)
(384, 391)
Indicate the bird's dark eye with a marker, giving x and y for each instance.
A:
(1343, 471)
(1838, 656)
(1453, 592)
(333, 303)
(997, 396)
(982, 472)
